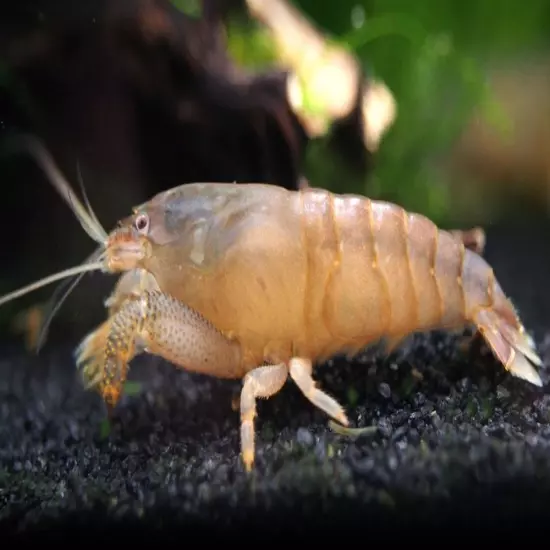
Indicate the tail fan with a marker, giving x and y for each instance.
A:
(510, 344)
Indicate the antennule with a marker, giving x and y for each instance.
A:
(85, 196)
(38, 151)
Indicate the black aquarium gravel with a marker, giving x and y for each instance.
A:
(455, 443)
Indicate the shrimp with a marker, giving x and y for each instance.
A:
(257, 283)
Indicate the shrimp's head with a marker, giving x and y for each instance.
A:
(128, 246)
(168, 232)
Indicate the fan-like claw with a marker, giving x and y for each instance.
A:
(90, 355)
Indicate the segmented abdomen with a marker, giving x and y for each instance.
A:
(376, 270)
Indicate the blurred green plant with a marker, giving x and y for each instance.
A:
(433, 57)
(189, 7)
(249, 44)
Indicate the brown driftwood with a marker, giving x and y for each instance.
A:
(345, 100)
(144, 97)
(145, 93)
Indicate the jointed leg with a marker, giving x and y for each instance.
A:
(90, 354)
(132, 284)
(163, 326)
(300, 371)
(262, 382)
(107, 351)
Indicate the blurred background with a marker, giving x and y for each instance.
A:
(440, 106)
(469, 135)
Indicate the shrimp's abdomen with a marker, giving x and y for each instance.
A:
(373, 259)
(376, 271)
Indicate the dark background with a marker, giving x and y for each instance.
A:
(148, 95)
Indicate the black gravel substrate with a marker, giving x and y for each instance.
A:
(456, 444)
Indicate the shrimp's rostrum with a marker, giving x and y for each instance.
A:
(257, 282)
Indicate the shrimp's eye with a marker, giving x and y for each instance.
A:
(141, 223)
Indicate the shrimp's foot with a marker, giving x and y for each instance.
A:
(105, 353)
(262, 382)
(300, 371)
(129, 286)
(89, 355)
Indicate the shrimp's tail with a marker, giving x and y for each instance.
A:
(509, 342)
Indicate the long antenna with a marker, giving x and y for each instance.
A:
(39, 152)
(97, 266)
